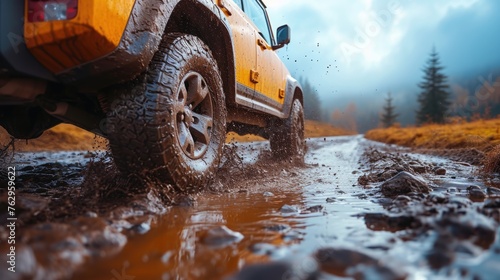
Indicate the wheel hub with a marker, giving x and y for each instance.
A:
(194, 115)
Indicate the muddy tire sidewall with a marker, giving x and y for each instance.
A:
(154, 146)
(287, 138)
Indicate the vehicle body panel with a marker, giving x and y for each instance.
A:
(261, 84)
(110, 43)
(95, 32)
(15, 58)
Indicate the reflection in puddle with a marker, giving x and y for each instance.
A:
(326, 210)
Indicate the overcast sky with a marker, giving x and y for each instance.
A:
(360, 47)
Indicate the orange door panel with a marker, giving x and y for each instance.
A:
(244, 46)
(270, 67)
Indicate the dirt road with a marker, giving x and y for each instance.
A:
(356, 209)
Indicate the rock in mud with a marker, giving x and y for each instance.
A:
(478, 231)
(314, 209)
(141, 228)
(268, 194)
(330, 199)
(221, 236)
(358, 265)
(383, 222)
(386, 174)
(419, 169)
(58, 249)
(278, 228)
(288, 209)
(363, 180)
(476, 193)
(440, 171)
(404, 183)
(304, 269)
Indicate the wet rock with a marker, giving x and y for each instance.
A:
(268, 194)
(358, 265)
(277, 227)
(314, 209)
(387, 174)
(438, 258)
(479, 231)
(303, 269)
(337, 261)
(363, 180)
(493, 192)
(383, 222)
(67, 246)
(419, 169)
(404, 183)
(475, 193)
(288, 209)
(440, 171)
(330, 199)
(221, 236)
(141, 228)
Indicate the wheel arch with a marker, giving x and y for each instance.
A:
(213, 29)
(293, 91)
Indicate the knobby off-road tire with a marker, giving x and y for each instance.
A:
(287, 138)
(170, 123)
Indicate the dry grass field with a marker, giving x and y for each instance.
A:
(483, 135)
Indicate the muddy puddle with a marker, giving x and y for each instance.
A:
(336, 217)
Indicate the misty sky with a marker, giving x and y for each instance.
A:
(369, 47)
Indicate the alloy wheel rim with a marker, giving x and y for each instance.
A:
(193, 115)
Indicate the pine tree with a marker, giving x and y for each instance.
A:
(389, 115)
(433, 98)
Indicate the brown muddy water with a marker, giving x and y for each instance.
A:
(332, 218)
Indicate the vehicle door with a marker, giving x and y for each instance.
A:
(270, 87)
(244, 37)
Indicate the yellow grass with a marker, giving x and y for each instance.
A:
(482, 135)
(69, 137)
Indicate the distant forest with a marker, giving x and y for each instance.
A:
(472, 97)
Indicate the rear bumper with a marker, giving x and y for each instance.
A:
(84, 59)
(15, 58)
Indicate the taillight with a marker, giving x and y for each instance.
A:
(48, 10)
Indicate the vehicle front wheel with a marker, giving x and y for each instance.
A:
(172, 123)
(287, 138)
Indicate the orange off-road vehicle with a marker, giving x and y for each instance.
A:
(163, 80)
